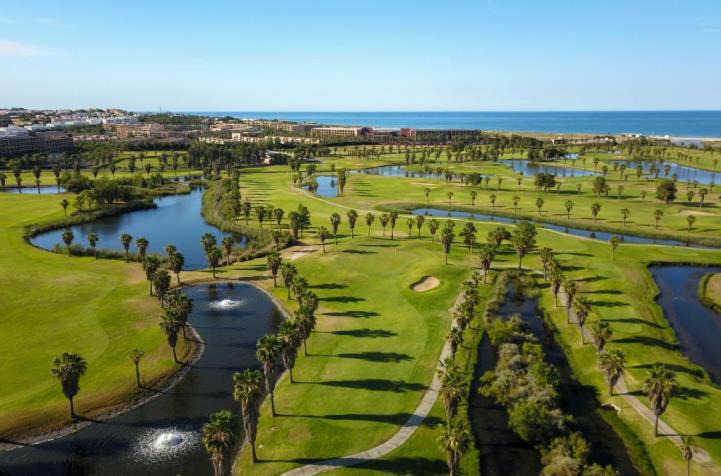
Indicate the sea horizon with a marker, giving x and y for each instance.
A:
(702, 124)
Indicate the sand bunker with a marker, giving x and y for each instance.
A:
(695, 213)
(425, 284)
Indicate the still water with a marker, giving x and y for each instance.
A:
(162, 437)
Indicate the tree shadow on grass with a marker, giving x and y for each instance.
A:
(633, 320)
(603, 291)
(344, 299)
(609, 303)
(407, 465)
(359, 252)
(591, 279)
(372, 333)
(329, 286)
(387, 245)
(393, 418)
(644, 340)
(377, 356)
(712, 435)
(352, 314)
(674, 368)
(377, 384)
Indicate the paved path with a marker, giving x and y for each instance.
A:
(664, 429)
(404, 433)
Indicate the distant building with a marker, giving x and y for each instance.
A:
(49, 142)
(341, 131)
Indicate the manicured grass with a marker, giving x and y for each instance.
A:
(622, 292)
(53, 304)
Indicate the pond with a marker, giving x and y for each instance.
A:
(502, 451)
(176, 220)
(43, 190)
(599, 235)
(327, 186)
(697, 327)
(162, 437)
(530, 169)
(685, 173)
(393, 171)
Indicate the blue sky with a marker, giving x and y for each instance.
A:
(371, 55)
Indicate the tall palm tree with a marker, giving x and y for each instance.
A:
(227, 244)
(208, 242)
(452, 390)
(161, 284)
(570, 288)
(288, 272)
(392, 218)
(352, 216)
(370, 218)
(64, 203)
(420, 219)
(274, 262)
(614, 242)
(68, 368)
(93, 239)
(455, 339)
(142, 245)
(170, 325)
(335, 223)
(433, 225)
(447, 240)
(150, 266)
(290, 340)
(659, 387)
(267, 353)
(177, 261)
(323, 235)
(136, 356)
(68, 239)
(180, 305)
(126, 239)
(595, 209)
(219, 436)
(688, 448)
(601, 333)
(454, 441)
(582, 306)
(384, 219)
(487, 254)
(613, 364)
(246, 390)
(214, 257)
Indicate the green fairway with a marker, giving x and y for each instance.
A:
(54, 304)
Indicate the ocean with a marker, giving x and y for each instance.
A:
(701, 124)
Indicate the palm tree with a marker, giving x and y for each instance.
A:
(323, 235)
(469, 235)
(246, 390)
(539, 204)
(93, 239)
(690, 220)
(227, 244)
(582, 307)
(352, 216)
(219, 435)
(688, 448)
(64, 203)
(625, 212)
(177, 261)
(455, 339)
(487, 254)
(267, 353)
(569, 206)
(474, 194)
(614, 242)
(214, 257)
(384, 219)
(659, 386)
(150, 266)
(274, 262)
(447, 239)
(657, 215)
(427, 192)
(207, 242)
(433, 225)
(595, 208)
(136, 355)
(126, 239)
(570, 288)
(170, 325)
(289, 340)
(278, 215)
(161, 283)
(68, 368)
(454, 441)
(613, 364)
(600, 333)
(392, 217)
(68, 239)
(450, 197)
(452, 389)
(335, 223)
(369, 221)
(420, 219)
(142, 245)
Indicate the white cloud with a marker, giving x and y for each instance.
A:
(15, 49)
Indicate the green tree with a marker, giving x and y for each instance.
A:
(659, 386)
(267, 352)
(274, 261)
(657, 215)
(523, 239)
(454, 442)
(335, 223)
(595, 208)
(63, 203)
(323, 235)
(219, 436)
(370, 218)
(142, 245)
(170, 325)
(433, 225)
(447, 237)
(177, 261)
(136, 355)
(68, 368)
(246, 390)
(625, 212)
(352, 216)
(690, 220)
(487, 254)
(227, 244)
(290, 341)
(93, 239)
(420, 219)
(126, 239)
(384, 219)
(614, 242)
(568, 204)
(666, 190)
(613, 364)
(214, 257)
(582, 306)
(688, 448)
(392, 218)
(68, 238)
(539, 204)
(601, 333)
